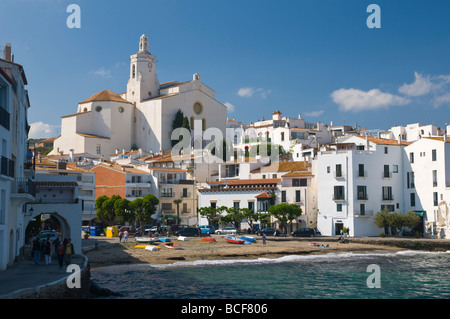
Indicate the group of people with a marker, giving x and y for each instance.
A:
(46, 249)
(123, 234)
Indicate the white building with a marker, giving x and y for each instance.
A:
(16, 188)
(427, 184)
(142, 116)
(412, 132)
(358, 177)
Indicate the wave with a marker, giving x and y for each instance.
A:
(284, 259)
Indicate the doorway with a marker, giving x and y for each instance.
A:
(338, 227)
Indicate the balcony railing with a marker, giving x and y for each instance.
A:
(338, 197)
(6, 166)
(365, 213)
(338, 174)
(24, 186)
(388, 197)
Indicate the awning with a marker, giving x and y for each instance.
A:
(420, 213)
(170, 216)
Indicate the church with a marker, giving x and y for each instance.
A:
(142, 116)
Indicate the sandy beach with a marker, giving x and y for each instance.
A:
(195, 249)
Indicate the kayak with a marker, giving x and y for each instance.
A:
(140, 246)
(150, 240)
(164, 240)
(172, 246)
(249, 239)
(234, 240)
(152, 247)
(209, 239)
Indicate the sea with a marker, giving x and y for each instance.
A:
(346, 275)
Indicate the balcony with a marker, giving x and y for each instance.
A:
(24, 186)
(388, 197)
(365, 213)
(338, 197)
(338, 174)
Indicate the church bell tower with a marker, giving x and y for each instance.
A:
(143, 83)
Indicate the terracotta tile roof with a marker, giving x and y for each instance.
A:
(105, 95)
(283, 167)
(297, 174)
(383, 141)
(438, 138)
(263, 195)
(120, 168)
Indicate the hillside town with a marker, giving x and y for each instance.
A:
(174, 142)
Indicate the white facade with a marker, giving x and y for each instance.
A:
(428, 160)
(15, 187)
(356, 179)
(142, 116)
(412, 132)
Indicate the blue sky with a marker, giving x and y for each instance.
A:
(317, 58)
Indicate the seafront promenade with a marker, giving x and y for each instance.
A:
(25, 274)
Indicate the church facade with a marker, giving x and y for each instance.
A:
(142, 116)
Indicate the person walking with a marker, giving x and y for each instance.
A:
(48, 252)
(60, 254)
(264, 238)
(125, 236)
(36, 250)
(68, 252)
(120, 236)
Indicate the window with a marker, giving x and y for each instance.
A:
(387, 174)
(435, 199)
(283, 196)
(390, 208)
(412, 199)
(411, 157)
(297, 196)
(412, 180)
(133, 71)
(299, 182)
(362, 192)
(395, 168)
(185, 192)
(433, 155)
(328, 169)
(166, 192)
(98, 148)
(251, 206)
(385, 150)
(361, 170)
(387, 193)
(204, 124)
(166, 206)
(185, 209)
(274, 175)
(121, 109)
(213, 204)
(434, 178)
(339, 207)
(362, 209)
(339, 193)
(98, 108)
(236, 205)
(192, 122)
(282, 136)
(198, 108)
(338, 170)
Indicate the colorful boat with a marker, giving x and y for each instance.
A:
(209, 239)
(234, 240)
(140, 246)
(172, 245)
(152, 247)
(164, 240)
(183, 238)
(249, 239)
(148, 240)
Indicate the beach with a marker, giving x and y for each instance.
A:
(196, 249)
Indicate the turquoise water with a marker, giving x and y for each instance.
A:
(402, 275)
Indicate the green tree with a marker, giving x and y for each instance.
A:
(99, 206)
(212, 214)
(285, 213)
(105, 208)
(251, 216)
(233, 216)
(122, 207)
(176, 123)
(411, 220)
(382, 220)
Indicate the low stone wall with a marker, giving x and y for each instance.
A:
(58, 289)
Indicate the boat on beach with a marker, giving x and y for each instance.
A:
(164, 240)
(249, 239)
(152, 247)
(234, 240)
(172, 245)
(183, 238)
(209, 239)
(148, 240)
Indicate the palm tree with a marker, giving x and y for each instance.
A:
(178, 202)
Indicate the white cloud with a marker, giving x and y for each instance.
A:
(422, 85)
(42, 130)
(249, 92)
(442, 99)
(315, 113)
(230, 107)
(357, 100)
(104, 73)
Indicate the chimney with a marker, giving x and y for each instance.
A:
(7, 52)
(117, 151)
(123, 151)
(71, 153)
(367, 142)
(399, 138)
